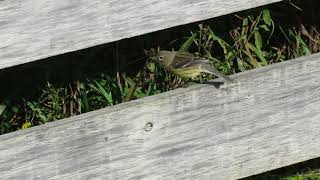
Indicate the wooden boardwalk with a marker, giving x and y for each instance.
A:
(31, 30)
(267, 120)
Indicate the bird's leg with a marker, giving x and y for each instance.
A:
(200, 79)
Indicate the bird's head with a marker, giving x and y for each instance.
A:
(164, 57)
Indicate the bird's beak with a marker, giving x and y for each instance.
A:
(153, 58)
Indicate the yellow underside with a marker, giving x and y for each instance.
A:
(187, 72)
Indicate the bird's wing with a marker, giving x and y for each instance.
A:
(187, 60)
(183, 60)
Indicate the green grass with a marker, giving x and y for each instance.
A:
(309, 170)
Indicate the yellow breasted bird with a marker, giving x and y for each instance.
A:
(186, 65)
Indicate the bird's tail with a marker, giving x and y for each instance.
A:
(213, 71)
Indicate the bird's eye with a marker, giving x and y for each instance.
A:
(160, 58)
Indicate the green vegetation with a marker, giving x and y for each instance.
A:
(309, 170)
(257, 40)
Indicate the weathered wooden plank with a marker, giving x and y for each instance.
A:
(269, 119)
(35, 29)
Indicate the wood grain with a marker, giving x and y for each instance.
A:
(268, 119)
(35, 29)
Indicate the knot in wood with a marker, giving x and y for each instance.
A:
(148, 127)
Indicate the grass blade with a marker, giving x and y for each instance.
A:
(186, 45)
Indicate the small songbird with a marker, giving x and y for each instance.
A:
(186, 65)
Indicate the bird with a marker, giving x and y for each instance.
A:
(187, 65)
